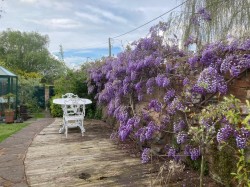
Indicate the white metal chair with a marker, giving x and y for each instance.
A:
(69, 95)
(73, 115)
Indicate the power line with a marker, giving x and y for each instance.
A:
(151, 20)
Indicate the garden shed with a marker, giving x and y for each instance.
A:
(8, 91)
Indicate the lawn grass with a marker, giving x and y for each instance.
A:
(7, 130)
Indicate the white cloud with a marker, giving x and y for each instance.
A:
(61, 6)
(106, 14)
(83, 51)
(88, 17)
(28, 1)
(61, 23)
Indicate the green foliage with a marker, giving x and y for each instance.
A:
(9, 129)
(10, 99)
(27, 84)
(74, 82)
(93, 113)
(247, 118)
(39, 115)
(243, 170)
(55, 110)
(233, 111)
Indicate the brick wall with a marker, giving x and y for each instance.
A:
(241, 87)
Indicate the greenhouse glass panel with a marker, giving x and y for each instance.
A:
(8, 92)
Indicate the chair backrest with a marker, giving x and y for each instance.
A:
(70, 107)
(69, 95)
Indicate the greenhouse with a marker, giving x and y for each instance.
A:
(8, 92)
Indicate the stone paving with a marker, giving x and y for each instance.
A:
(13, 151)
(93, 160)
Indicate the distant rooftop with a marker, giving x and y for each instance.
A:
(6, 72)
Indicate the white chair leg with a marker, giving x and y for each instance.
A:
(66, 131)
(83, 129)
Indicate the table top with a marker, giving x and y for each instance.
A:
(62, 101)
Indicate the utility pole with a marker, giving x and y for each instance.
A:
(109, 47)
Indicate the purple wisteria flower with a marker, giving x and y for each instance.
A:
(150, 130)
(193, 61)
(246, 45)
(111, 107)
(194, 153)
(138, 87)
(210, 81)
(134, 121)
(156, 105)
(245, 131)
(234, 64)
(241, 141)
(204, 14)
(179, 126)
(187, 150)
(140, 134)
(175, 105)
(171, 152)
(169, 95)
(185, 81)
(181, 137)
(209, 55)
(124, 131)
(126, 88)
(224, 133)
(121, 113)
(241, 137)
(145, 156)
(150, 82)
(149, 85)
(133, 75)
(145, 115)
(162, 81)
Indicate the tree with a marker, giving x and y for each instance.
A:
(28, 52)
(206, 21)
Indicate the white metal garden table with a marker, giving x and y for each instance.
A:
(61, 101)
(73, 113)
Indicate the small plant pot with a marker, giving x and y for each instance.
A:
(9, 116)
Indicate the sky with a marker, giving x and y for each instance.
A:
(83, 27)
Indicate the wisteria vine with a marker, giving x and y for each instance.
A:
(167, 83)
